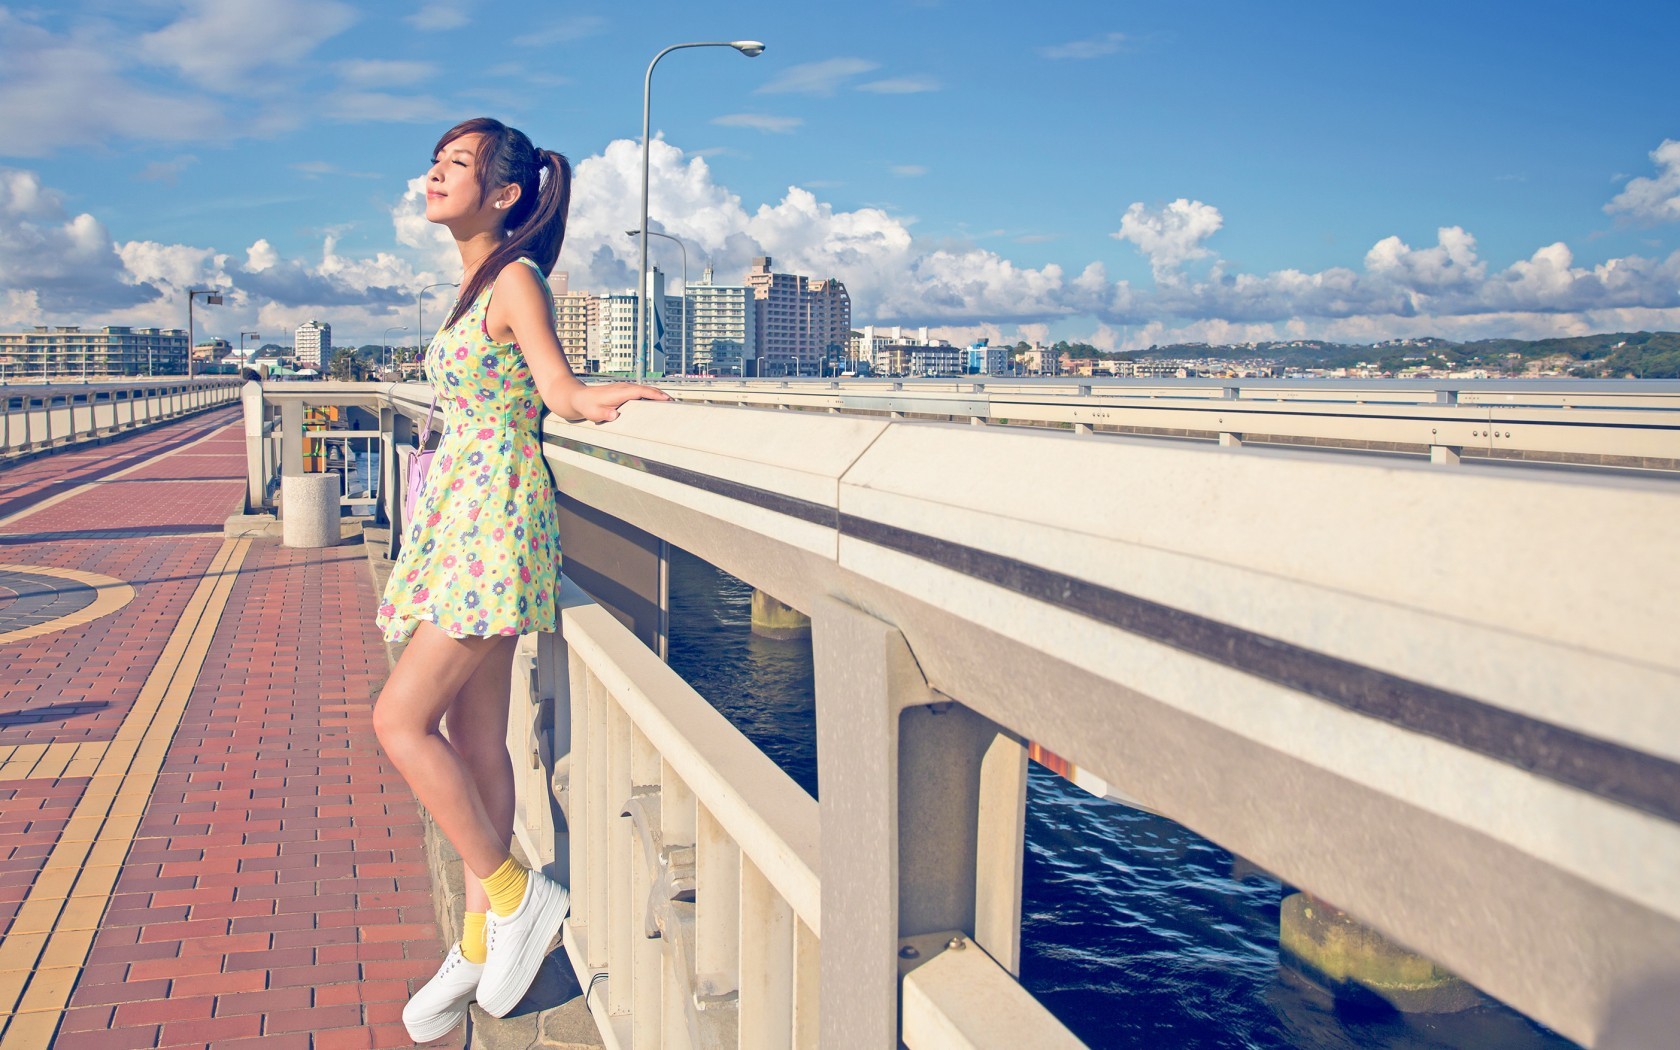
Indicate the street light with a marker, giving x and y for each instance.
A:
(420, 309)
(242, 335)
(386, 339)
(684, 247)
(211, 298)
(644, 320)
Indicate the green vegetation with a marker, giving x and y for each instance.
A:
(1634, 355)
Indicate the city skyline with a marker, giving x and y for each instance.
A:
(1187, 173)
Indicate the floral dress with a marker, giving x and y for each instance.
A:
(482, 555)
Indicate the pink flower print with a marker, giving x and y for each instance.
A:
(498, 533)
(449, 561)
(472, 515)
(387, 609)
(455, 486)
(528, 451)
(413, 574)
(524, 574)
(531, 413)
(460, 353)
(476, 568)
(485, 433)
(434, 518)
(422, 594)
(513, 482)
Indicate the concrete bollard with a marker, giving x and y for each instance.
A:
(309, 513)
(1354, 962)
(773, 619)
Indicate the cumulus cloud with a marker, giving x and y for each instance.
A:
(563, 31)
(1653, 200)
(51, 261)
(1171, 236)
(817, 78)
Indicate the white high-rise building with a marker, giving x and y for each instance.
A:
(312, 344)
(722, 332)
(612, 331)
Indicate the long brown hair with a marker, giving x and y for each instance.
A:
(536, 224)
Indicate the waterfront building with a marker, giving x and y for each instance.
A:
(723, 332)
(571, 322)
(612, 330)
(312, 344)
(113, 350)
(985, 359)
(801, 322)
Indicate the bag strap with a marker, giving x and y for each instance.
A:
(426, 431)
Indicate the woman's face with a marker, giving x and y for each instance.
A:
(452, 188)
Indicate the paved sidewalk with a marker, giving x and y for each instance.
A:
(204, 845)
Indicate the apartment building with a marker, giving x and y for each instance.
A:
(801, 322)
(312, 344)
(113, 350)
(722, 331)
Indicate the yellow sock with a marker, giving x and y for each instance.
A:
(472, 937)
(506, 887)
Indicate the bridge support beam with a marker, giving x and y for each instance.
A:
(775, 619)
(950, 809)
(1355, 962)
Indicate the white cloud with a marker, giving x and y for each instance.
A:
(236, 45)
(1171, 236)
(909, 171)
(438, 15)
(59, 91)
(817, 78)
(760, 121)
(384, 72)
(1649, 201)
(362, 106)
(563, 32)
(167, 172)
(52, 262)
(1096, 47)
(901, 85)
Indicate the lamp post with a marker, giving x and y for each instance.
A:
(242, 335)
(684, 247)
(211, 298)
(386, 339)
(644, 327)
(420, 309)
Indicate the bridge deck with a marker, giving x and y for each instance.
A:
(202, 841)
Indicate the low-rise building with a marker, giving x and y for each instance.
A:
(113, 350)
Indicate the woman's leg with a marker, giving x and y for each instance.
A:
(427, 679)
(477, 722)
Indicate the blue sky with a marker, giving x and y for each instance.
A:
(1125, 173)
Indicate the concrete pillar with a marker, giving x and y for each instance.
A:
(256, 479)
(309, 510)
(1355, 962)
(940, 786)
(1448, 455)
(773, 619)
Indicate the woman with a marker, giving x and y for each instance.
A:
(480, 561)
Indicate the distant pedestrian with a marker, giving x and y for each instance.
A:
(480, 559)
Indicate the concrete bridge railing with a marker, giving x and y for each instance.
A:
(1441, 700)
(35, 417)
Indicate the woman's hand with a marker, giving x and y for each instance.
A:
(599, 404)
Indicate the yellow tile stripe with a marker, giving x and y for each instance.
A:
(110, 594)
(44, 951)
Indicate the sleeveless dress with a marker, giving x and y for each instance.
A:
(482, 555)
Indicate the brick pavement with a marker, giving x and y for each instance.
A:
(257, 875)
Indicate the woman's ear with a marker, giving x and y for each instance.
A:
(508, 197)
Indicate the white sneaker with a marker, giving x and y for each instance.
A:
(442, 1003)
(518, 943)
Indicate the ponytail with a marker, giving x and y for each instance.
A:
(536, 224)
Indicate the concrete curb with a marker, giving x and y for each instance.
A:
(553, 1014)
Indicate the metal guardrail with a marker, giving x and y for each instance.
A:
(1610, 427)
(38, 416)
(1440, 699)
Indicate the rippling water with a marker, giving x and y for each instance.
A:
(1135, 931)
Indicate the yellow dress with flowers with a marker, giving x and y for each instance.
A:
(482, 555)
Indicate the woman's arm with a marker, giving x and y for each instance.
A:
(521, 311)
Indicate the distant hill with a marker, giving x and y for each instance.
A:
(1638, 355)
